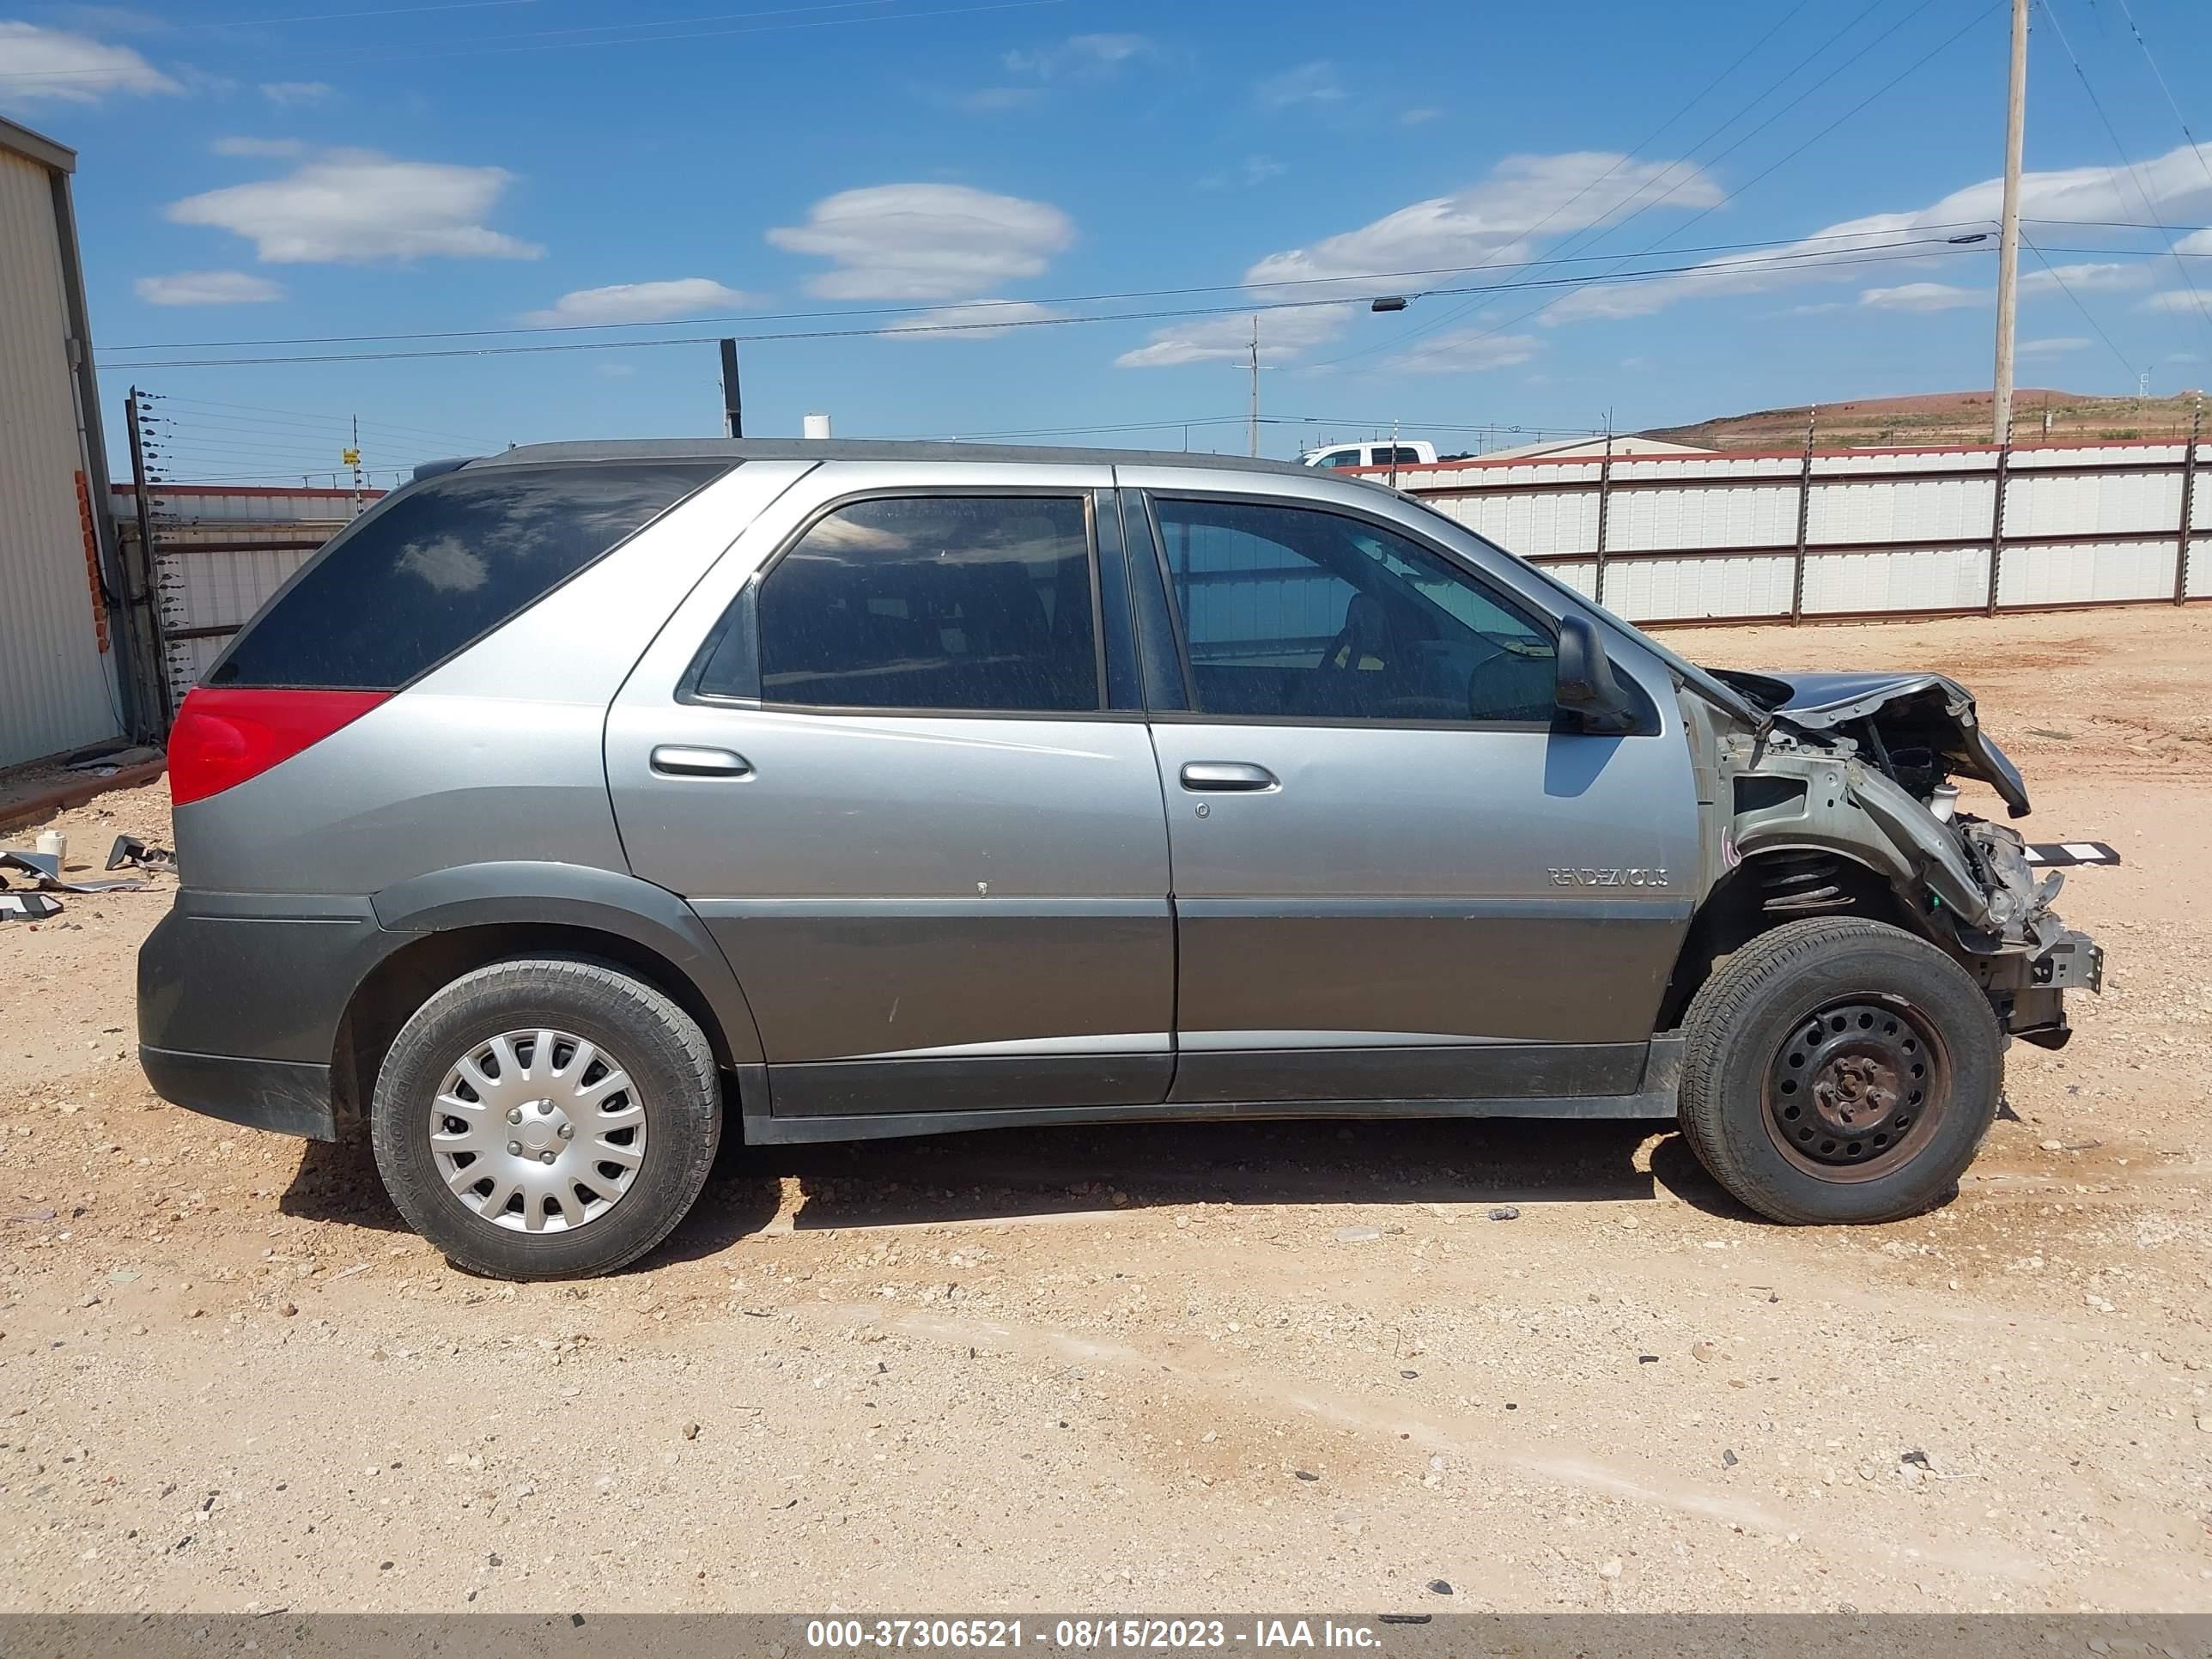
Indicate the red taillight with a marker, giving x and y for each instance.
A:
(224, 736)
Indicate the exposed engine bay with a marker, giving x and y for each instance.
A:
(1852, 774)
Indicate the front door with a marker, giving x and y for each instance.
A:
(1395, 876)
(887, 771)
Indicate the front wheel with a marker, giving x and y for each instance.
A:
(1839, 1070)
(548, 1117)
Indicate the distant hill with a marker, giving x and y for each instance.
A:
(1942, 417)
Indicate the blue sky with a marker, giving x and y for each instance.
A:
(279, 171)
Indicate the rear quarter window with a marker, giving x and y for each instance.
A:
(439, 567)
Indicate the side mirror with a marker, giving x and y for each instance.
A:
(1587, 689)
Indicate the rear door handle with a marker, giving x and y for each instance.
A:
(677, 760)
(1238, 776)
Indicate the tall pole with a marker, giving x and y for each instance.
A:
(2008, 235)
(149, 594)
(353, 460)
(733, 407)
(1252, 429)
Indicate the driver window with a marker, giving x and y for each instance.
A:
(1289, 613)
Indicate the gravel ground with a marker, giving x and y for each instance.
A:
(1178, 1368)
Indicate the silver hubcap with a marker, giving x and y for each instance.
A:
(540, 1131)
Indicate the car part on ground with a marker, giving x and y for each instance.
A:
(129, 850)
(45, 868)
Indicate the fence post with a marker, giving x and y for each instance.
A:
(150, 576)
(1804, 518)
(1604, 502)
(2188, 505)
(1996, 521)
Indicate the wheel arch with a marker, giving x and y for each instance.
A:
(1737, 909)
(446, 924)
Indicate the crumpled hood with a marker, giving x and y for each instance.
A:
(1928, 710)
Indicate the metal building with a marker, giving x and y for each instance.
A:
(61, 680)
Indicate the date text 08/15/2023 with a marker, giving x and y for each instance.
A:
(855, 1634)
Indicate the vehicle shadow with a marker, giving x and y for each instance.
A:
(1003, 1175)
(1013, 1174)
(337, 1182)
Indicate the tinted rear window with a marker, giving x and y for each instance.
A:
(442, 565)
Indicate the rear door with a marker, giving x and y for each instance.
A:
(893, 751)
(1397, 875)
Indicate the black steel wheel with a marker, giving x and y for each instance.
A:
(1839, 1070)
(1859, 1088)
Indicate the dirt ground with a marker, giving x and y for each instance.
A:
(1169, 1368)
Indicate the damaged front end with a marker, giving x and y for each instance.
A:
(1847, 775)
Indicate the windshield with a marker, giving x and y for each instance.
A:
(1701, 680)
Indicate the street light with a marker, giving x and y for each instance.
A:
(1387, 302)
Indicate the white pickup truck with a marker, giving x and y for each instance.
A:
(1388, 452)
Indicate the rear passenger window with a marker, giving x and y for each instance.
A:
(441, 566)
(963, 603)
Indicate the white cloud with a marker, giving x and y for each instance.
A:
(638, 302)
(1308, 83)
(2084, 279)
(972, 321)
(1466, 349)
(2050, 347)
(2197, 242)
(71, 69)
(1492, 222)
(1085, 55)
(1416, 116)
(1283, 335)
(925, 241)
(352, 207)
(289, 94)
(2179, 301)
(207, 287)
(1922, 296)
(2176, 184)
(271, 149)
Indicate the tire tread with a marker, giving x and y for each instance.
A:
(620, 998)
(1714, 1023)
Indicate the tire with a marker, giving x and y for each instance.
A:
(601, 1171)
(1839, 1072)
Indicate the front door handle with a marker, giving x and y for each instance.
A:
(677, 760)
(1238, 776)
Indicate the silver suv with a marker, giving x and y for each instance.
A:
(582, 804)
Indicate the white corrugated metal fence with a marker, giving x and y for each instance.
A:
(1836, 534)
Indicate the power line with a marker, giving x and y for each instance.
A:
(1708, 268)
(2203, 319)
(296, 414)
(1606, 225)
(644, 39)
(2068, 291)
(984, 306)
(2160, 76)
(1926, 247)
(346, 16)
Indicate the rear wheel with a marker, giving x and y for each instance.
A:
(546, 1118)
(1839, 1070)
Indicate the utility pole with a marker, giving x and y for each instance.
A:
(2008, 233)
(733, 407)
(150, 638)
(1252, 425)
(352, 458)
